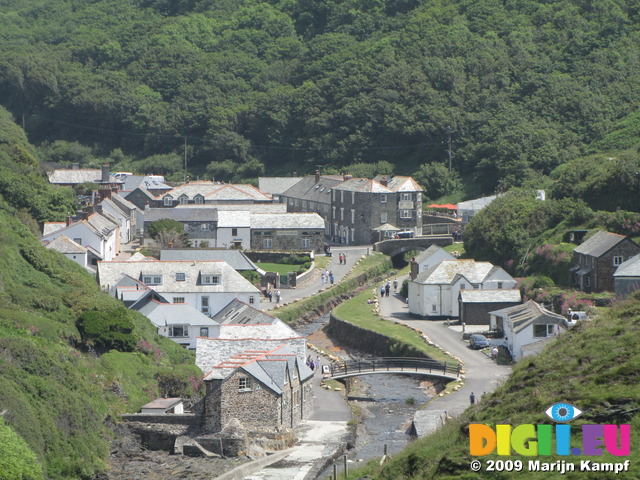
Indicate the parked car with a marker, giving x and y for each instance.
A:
(478, 341)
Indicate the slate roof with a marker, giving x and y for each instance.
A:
(64, 244)
(208, 214)
(630, 268)
(287, 221)
(529, 313)
(447, 271)
(425, 254)
(490, 296)
(110, 273)
(268, 367)
(138, 257)
(101, 224)
(163, 403)
(404, 184)
(276, 185)
(237, 312)
(476, 203)
(599, 244)
(131, 182)
(111, 204)
(234, 218)
(249, 207)
(49, 227)
(235, 258)
(162, 314)
(308, 189)
(362, 185)
(215, 191)
(122, 202)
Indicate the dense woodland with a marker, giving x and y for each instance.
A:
(271, 87)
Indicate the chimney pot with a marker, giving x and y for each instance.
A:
(317, 176)
(383, 181)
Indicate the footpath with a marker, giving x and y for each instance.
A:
(482, 374)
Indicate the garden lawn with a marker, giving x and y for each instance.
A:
(280, 268)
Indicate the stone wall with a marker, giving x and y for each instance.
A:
(369, 341)
(272, 256)
(167, 419)
(478, 313)
(257, 407)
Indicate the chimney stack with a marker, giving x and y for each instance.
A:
(105, 193)
(85, 215)
(383, 181)
(68, 221)
(414, 268)
(317, 175)
(347, 176)
(105, 173)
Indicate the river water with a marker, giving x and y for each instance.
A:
(388, 403)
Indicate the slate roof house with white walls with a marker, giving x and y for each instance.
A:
(434, 292)
(206, 286)
(428, 258)
(627, 277)
(70, 249)
(210, 193)
(526, 329)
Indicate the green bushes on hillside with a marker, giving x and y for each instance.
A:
(17, 460)
(111, 329)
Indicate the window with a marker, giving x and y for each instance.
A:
(306, 243)
(383, 217)
(204, 331)
(341, 196)
(244, 384)
(405, 213)
(342, 214)
(178, 299)
(587, 281)
(78, 241)
(383, 198)
(178, 330)
(204, 227)
(152, 279)
(434, 308)
(234, 232)
(499, 285)
(183, 199)
(462, 286)
(304, 204)
(180, 277)
(296, 398)
(617, 261)
(541, 331)
(333, 209)
(199, 200)
(353, 197)
(168, 201)
(252, 300)
(405, 197)
(353, 216)
(475, 285)
(267, 242)
(209, 279)
(205, 305)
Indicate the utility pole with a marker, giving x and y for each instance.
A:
(449, 132)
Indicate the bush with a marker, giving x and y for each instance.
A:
(17, 460)
(108, 329)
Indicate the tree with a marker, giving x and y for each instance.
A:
(168, 233)
(437, 180)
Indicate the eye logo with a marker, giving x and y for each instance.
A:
(563, 412)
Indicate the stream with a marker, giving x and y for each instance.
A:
(388, 403)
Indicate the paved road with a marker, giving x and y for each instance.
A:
(314, 285)
(482, 373)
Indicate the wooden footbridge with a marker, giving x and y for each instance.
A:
(402, 365)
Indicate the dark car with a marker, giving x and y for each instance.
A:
(478, 341)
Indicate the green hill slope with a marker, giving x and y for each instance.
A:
(595, 367)
(56, 393)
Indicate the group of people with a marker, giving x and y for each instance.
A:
(313, 365)
(327, 278)
(385, 290)
(273, 293)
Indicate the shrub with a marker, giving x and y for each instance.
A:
(108, 329)
(17, 460)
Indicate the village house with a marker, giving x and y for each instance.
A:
(627, 277)
(597, 258)
(75, 176)
(353, 209)
(258, 388)
(526, 329)
(285, 232)
(206, 286)
(123, 211)
(276, 186)
(70, 249)
(97, 231)
(200, 224)
(163, 406)
(434, 292)
(428, 258)
(474, 305)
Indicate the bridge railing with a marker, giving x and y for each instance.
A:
(403, 364)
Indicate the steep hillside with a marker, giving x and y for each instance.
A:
(56, 393)
(594, 367)
(248, 86)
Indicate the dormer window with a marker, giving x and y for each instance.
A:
(183, 199)
(152, 279)
(168, 201)
(199, 199)
(210, 279)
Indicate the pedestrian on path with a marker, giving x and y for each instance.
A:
(387, 288)
(382, 291)
(395, 286)
(323, 279)
(278, 296)
(331, 277)
(344, 258)
(472, 399)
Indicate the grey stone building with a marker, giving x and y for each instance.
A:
(269, 388)
(596, 260)
(285, 232)
(353, 208)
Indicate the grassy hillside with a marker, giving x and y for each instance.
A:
(57, 393)
(595, 367)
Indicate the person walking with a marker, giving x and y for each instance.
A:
(472, 399)
(323, 279)
(340, 259)
(382, 291)
(387, 288)
(331, 277)
(395, 286)
(344, 258)
(278, 296)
